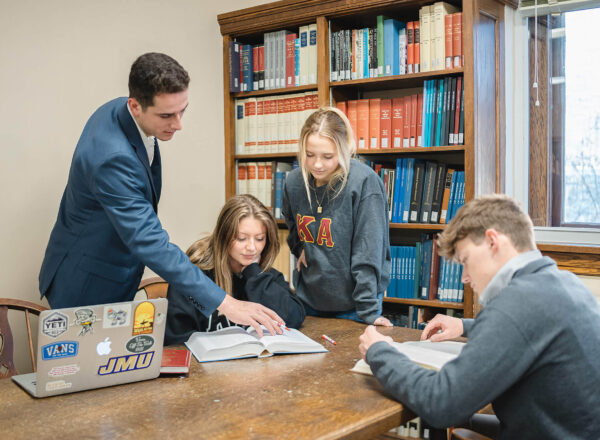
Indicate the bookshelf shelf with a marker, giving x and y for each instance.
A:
(271, 92)
(394, 82)
(414, 150)
(425, 303)
(265, 156)
(419, 226)
(480, 157)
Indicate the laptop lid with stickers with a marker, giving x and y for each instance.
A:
(80, 348)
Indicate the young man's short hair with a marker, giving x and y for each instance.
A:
(496, 211)
(155, 73)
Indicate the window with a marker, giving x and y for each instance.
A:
(564, 119)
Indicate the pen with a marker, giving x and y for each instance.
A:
(328, 339)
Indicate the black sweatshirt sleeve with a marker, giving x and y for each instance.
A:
(270, 289)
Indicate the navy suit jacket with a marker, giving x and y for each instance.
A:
(107, 229)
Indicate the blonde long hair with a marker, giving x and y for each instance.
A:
(330, 123)
(212, 252)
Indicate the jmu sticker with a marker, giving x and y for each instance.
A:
(143, 321)
(60, 350)
(55, 324)
(130, 362)
(118, 315)
(139, 343)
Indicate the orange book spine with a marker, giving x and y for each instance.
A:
(420, 120)
(386, 123)
(407, 121)
(362, 124)
(342, 106)
(353, 118)
(457, 37)
(448, 41)
(410, 46)
(397, 122)
(417, 43)
(374, 123)
(446, 197)
(413, 120)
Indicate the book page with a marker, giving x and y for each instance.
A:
(228, 343)
(227, 337)
(291, 341)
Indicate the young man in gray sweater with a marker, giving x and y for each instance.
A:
(533, 350)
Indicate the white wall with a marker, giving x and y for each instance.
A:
(62, 59)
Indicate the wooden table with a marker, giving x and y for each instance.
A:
(305, 396)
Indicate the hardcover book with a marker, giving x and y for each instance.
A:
(175, 361)
(238, 343)
(432, 355)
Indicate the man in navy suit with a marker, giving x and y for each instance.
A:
(107, 228)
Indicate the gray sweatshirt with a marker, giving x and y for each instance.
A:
(347, 245)
(533, 351)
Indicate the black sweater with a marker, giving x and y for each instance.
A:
(268, 288)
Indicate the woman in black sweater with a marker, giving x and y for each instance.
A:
(237, 256)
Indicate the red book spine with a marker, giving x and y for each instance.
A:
(386, 123)
(457, 38)
(410, 46)
(255, 68)
(407, 121)
(417, 42)
(290, 60)
(363, 123)
(420, 120)
(397, 122)
(448, 41)
(413, 120)
(352, 117)
(374, 123)
(261, 67)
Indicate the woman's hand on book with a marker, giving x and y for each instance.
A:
(250, 313)
(368, 338)
(442, 327)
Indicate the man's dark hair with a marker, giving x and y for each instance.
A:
(155, 73)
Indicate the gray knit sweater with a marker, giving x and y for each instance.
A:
(533, 351)
(346, 246)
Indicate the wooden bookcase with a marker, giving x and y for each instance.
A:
(481, 156)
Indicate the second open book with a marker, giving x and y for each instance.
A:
(428, 354)
(237, 343)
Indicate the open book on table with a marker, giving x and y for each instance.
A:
(237, 343)
(428, 354)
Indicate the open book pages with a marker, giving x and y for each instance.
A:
(237, 343)
(428, 354)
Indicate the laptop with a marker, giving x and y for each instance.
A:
(81, 348)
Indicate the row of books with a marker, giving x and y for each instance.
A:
(421, 191)
(394, 47)
(272, 124)
(432, 118)
(264, 180)
(419, 272)
(285, 59)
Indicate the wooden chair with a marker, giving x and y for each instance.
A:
(155, 287)
(7, 366)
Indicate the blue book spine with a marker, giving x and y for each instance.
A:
(397, 291)
(391, 50)
(408, 181)
(405, 288)
(427, 115)
(396, 201)
(440, 115)
(453, 186)
(411, 287)
(365, 51)
(279, 180)
(440, 292)
(416, 287)
(297, 62)
(424, 114)
(247, 68)
(433, 112)
(390, 287)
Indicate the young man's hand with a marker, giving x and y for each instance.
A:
(250, 313)
(442, 327)
(382, 320)
(369, 337)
